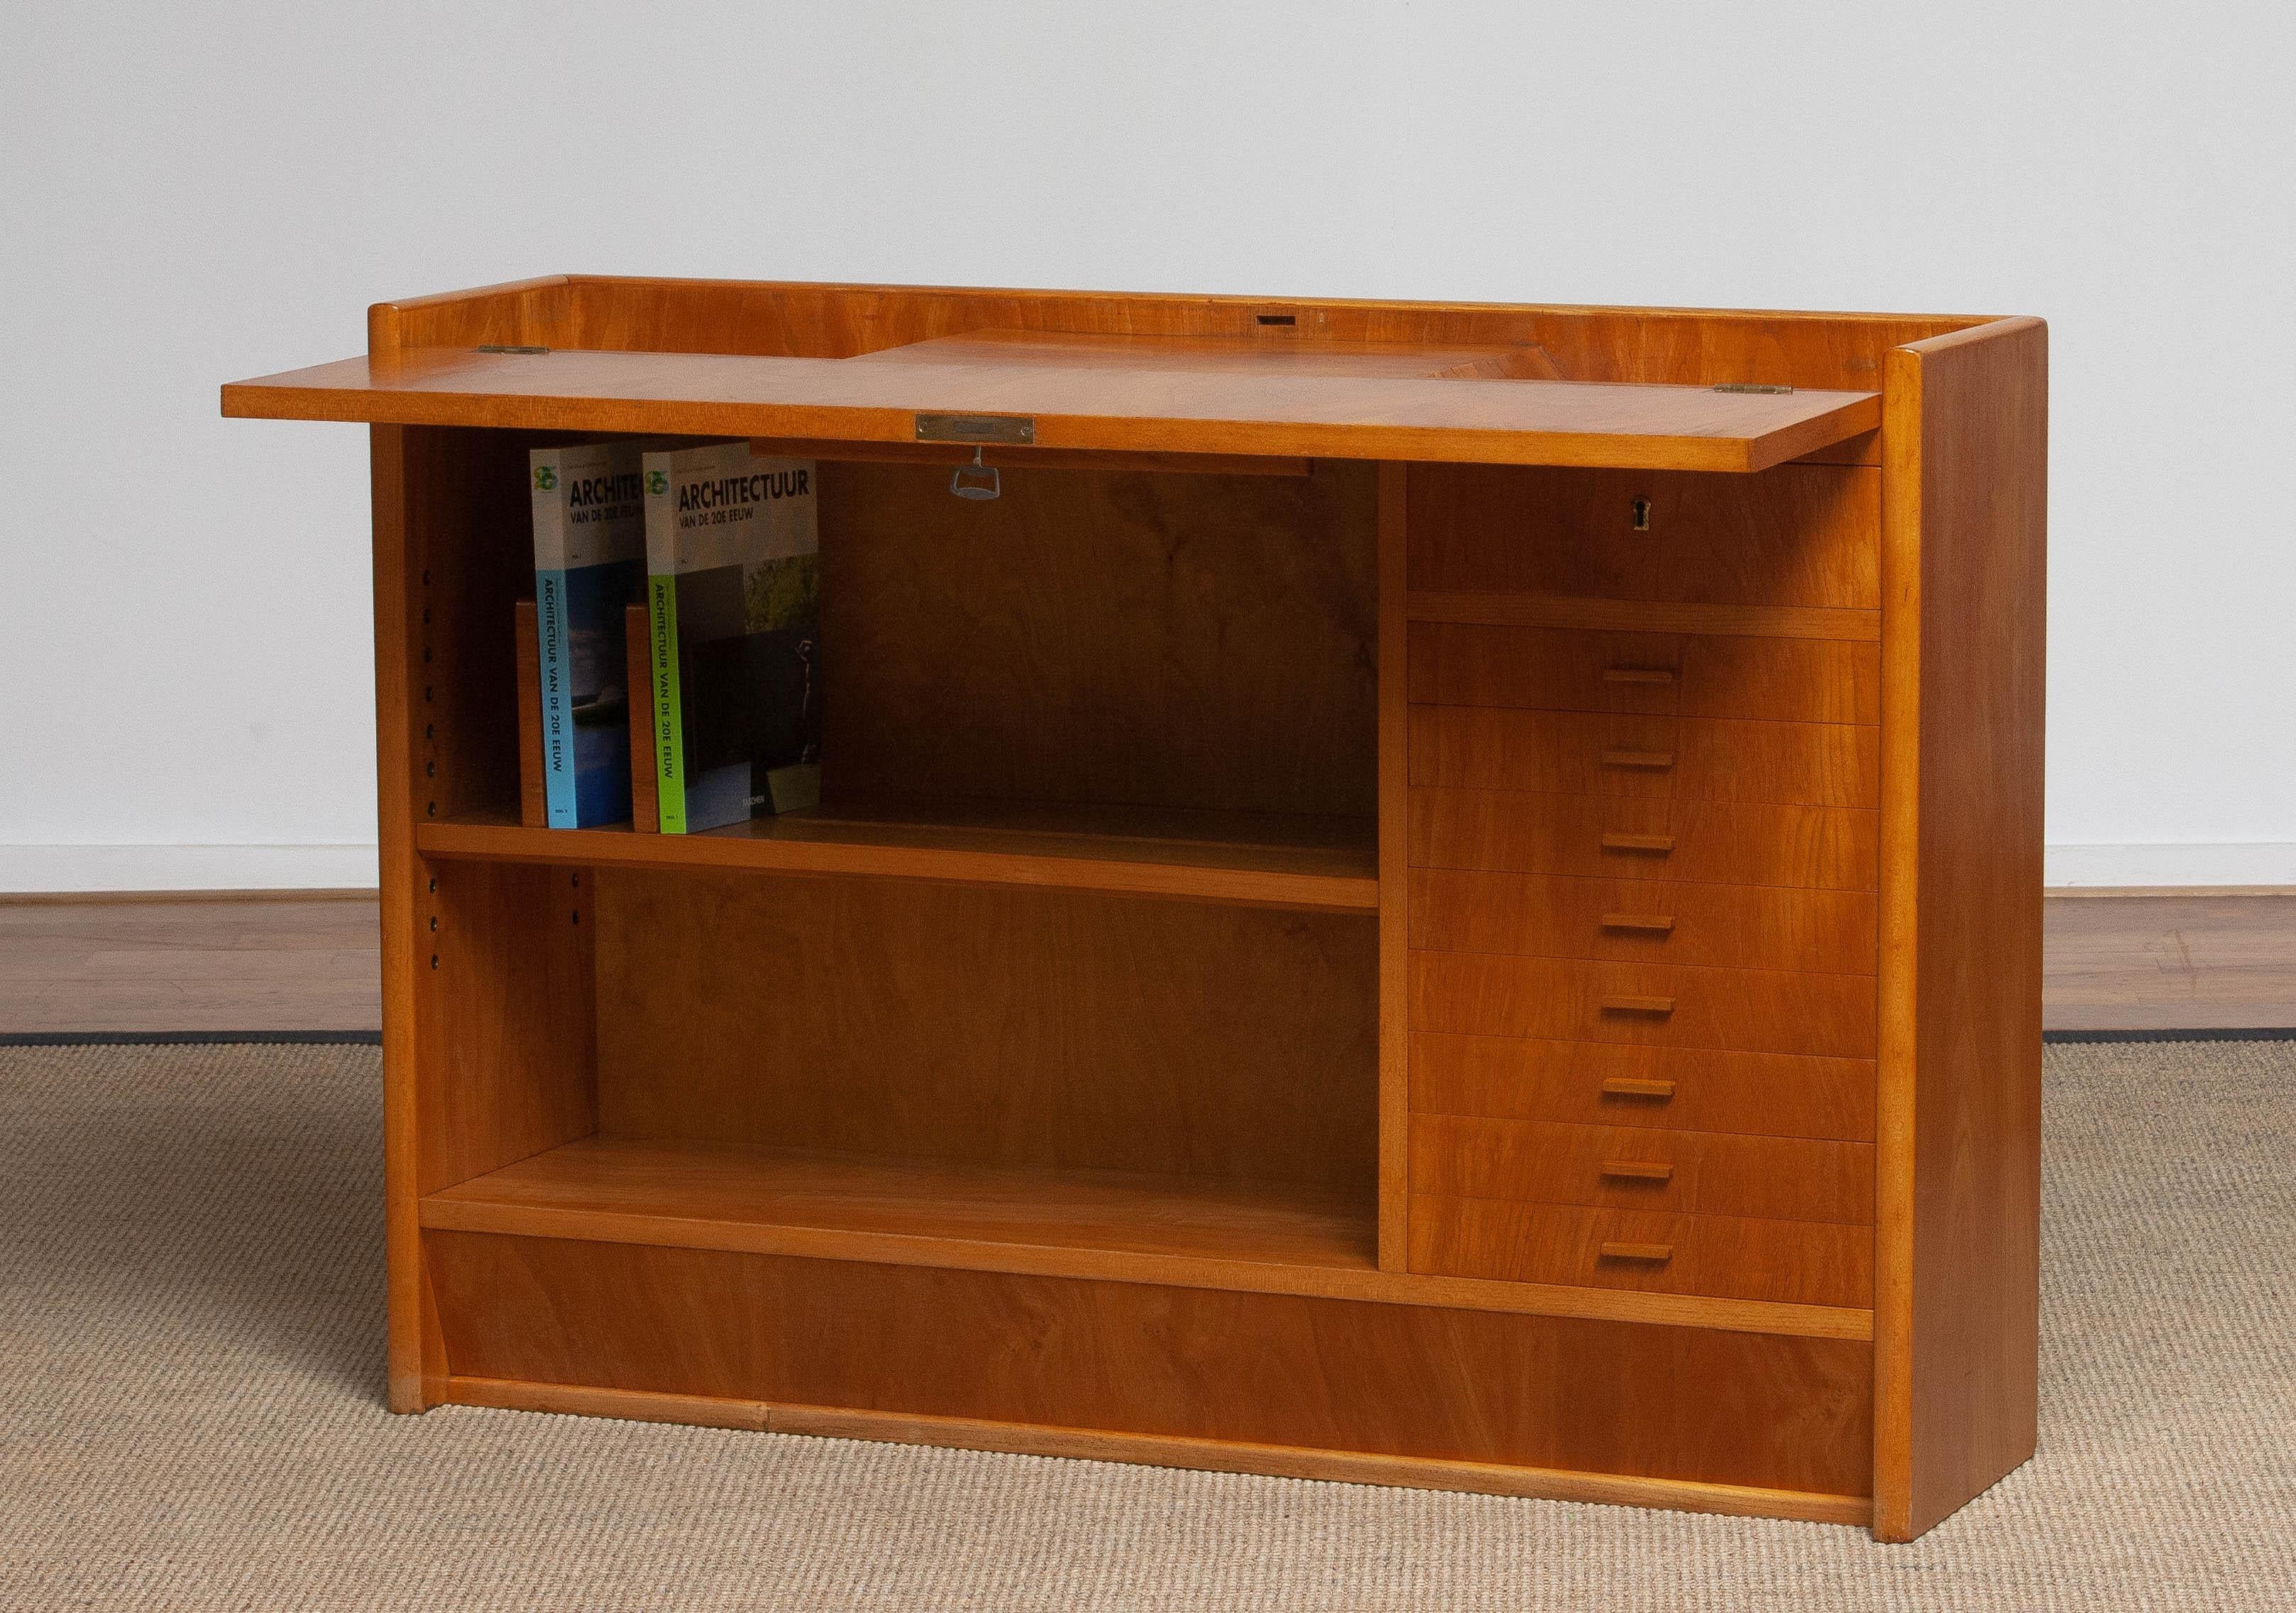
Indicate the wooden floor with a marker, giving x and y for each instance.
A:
(209, 963)
(2185, 961)
(2151, 960)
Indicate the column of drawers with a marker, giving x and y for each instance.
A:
(1641, 892)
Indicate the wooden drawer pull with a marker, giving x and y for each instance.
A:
(1637, 674)
(1639, 1005)
(1660, 923)
(1660, 844)
(1656, 760)
(1657, 1254)
(1638, 1170)
(1631, 1086)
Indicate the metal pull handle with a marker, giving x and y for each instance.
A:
(1655, 1254)
(1630, 1086)
(1660, 1006)
(1660, 844)
(1661, 924)
(975, 480)
(1638, 1170)
(1655, 760)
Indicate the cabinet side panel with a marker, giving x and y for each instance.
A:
(416, 1367)
(1965, 554)
(1394, 878)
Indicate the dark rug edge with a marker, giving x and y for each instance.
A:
(79, 1039)
(74, 1038)
(2244, 1033)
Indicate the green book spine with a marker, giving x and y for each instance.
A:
(669, 720)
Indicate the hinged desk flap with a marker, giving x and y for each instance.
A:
(1137, 400)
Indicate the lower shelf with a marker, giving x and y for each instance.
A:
(910, 1212)
(1179, 1231)
(1262, 860)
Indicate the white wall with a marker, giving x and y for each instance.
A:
(197, 195)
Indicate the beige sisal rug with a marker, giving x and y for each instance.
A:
(191, 1321)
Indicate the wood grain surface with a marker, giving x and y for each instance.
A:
(1653, 921)
(1802, 535)
(1658, 1401)
(1660, 674)
(1611, 1085)
(1087, 638)
(1792, 1262)
(1001, 1026)
(1315, 415)
(1957, 1301)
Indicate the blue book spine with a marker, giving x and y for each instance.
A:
(551, 627)
(589, 563)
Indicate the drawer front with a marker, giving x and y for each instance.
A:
(1615, 837)
(1726, 1257)
(1643, 1168)
(1652, 1005)
(1606, 1084)
(1679, 758)
(1797, 534)
(1656, 921)
(1654, 674)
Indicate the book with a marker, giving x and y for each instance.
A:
(533, 800)
(733, 601)
(589, 563)
(645, 805)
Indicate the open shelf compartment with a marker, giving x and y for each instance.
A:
(915, 1212)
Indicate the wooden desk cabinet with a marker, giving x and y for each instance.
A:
(1434, 895)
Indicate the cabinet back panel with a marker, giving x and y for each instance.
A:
(1100, 638)
(986, 1024)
